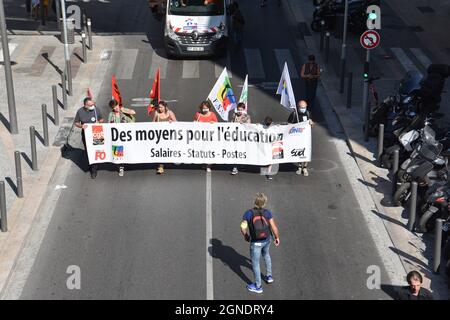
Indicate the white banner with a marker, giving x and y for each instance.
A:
(200, 143)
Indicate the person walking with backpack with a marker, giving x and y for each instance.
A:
(261, 228)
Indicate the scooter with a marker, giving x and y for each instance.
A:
(435, 207)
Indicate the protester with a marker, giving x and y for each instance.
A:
(304, 115)
(271, 169)
(120, 114)
(261, 228)
(88, 114)
(205, 115)
(163, 114)
(310, 73)
(239, 116)
(414, 290)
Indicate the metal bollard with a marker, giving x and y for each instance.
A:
(412, 206)
(380, 142)
(89, 28)
(322, 34)
(18, 174)
(327, 47)
(437, 245)
(34, 164)
(3, 220)
(45, 124)
(55, 105)
(83, 41)
(64, 90)
(349, 90)
(395, 171)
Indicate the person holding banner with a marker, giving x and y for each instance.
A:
(205, 115)
(304, 115)
(163, 114)
(239, 116)
(88, 114)
(119, 114)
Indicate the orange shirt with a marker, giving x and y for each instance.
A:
(208, 118)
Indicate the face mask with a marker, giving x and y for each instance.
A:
(238, 113)
(268, 124)
(205, 110)
(303, 110)
(91, 108)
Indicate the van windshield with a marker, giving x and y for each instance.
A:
(196, 7)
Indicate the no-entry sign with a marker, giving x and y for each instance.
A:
(370, 39)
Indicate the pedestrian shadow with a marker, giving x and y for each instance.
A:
(76, 155)
(231, 258)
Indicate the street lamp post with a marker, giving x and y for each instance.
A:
(343, 49)
(66, 48)
(8, 74)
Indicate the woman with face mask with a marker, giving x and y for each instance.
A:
(163, 114)
(240, 116)
(205, 115)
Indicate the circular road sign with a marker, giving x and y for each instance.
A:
(370, 39)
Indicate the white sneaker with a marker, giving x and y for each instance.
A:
(305, 172)
(299, 171)
(234, 171)
(121, 171)
(208, 169)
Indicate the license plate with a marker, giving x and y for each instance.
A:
(195, 48)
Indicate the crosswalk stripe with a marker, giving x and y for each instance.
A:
(158, 61)
(191, 69)
(221, 63)
(284, 55)
(255, 67)
(404, 60)
(125, 66)
(12, 47)
(421, 56)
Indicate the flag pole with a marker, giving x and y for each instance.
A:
(298, 118)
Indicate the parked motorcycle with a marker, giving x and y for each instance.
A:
(436, 206)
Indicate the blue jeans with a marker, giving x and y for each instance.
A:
(256, 249)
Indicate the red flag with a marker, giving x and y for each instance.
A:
(115, 91)
(89, 93)
(154, 93)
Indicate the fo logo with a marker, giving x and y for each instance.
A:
(100, 155)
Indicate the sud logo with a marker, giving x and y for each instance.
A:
(117, 152)
(298, 153)
(295, 130)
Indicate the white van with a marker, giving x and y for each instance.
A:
(196, 28)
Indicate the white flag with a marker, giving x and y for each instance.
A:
(244, 93)
(285, 89)
(222, 96)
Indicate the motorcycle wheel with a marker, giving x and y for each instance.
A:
(401, 193)
(426, 223)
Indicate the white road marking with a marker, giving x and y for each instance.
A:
(158, 61)
(12, 47)
(60, 187)
(126, 64)
(284, 55)
(421, 56)
(404, 60)
(209, 261)
(255, 67)
(191, 69)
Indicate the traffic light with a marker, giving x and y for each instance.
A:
(366, 70)
(373, 17)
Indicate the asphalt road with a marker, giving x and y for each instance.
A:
(144, 236)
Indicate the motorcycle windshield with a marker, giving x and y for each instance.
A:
(430, 151)
(428, 135)
(422, 170)
(410, 82)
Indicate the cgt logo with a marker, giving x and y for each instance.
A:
(298, 153)
(295, 130)
(100, 155)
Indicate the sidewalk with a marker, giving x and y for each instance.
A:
(37, 63)
(414, 250)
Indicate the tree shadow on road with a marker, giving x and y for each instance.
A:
(231, 258)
